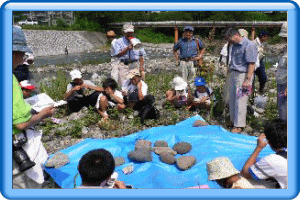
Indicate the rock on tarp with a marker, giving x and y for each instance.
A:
(207, 143)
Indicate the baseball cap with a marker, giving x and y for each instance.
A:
(26, 85)
(188, 28)
(199, 81)
(128, 28)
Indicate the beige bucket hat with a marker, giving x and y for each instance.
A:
(283, 31)
(110, 33)
(219, 168)
(133, 73)
(75, 74)
(128, 28)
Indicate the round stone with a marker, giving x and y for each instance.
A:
(182, 147)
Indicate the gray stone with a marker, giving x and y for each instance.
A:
(161, 143)
(58, 160)
(160, 150)
(119, 161)
(140, 155)
(167, 158)
(185, 162)
(139, 144)
(182, 147)
(198, 123)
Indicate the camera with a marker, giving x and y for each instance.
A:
(19, 154)
(111, 181)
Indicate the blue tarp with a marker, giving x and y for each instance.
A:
(207, 142)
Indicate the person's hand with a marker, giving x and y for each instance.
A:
(261, 141)
(76, 88)
(85, 86)
(120, 185)
(129, 47)
(124, 93)
(109, 91)
(285, 92)
(47, 112)
(246, 83)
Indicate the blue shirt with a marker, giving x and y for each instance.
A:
(188, 48)
(132, 54)
(242, 54)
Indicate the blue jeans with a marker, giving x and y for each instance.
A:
(262, 76)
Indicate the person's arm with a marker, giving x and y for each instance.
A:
(247, 81)
(93, 87)
(140, 93)
(124, 51)
(120, 185)
(261, 143)
(142, 61)
(35, 119)
(67, 94)
(113, 96)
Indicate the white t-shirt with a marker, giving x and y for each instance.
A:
(271, 166)
(130, 88)
(110, 103)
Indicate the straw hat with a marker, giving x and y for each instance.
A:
(283, 31)
(133, 73)
(220, 168)
(110, 33)
(243, 33)
(75, 74)
(178, 83)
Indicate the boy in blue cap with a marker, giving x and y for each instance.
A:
(202, 95)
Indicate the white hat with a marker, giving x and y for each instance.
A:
(178, 83)
(133, 73)
(75, 74)
(243, 33)
(26, 85)
(220, 168)
(283, 30)
(30, 58)
(128, 28)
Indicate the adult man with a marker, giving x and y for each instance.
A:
(111, 38)
(281, 77)
(24, 122)
(95, 169)
(274, 165)
(260, 72)
(191, 50)
(128, 57)
(242, 64)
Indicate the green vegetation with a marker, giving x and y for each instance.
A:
(149, 35)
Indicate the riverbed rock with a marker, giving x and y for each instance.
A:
(160, 150)
(185, 162)
(119, 161)
(58, 160)
(141, 144)
(182, 147)
(161, 143)
(167, 158)
(140, 155)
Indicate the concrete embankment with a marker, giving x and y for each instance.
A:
(50, 42)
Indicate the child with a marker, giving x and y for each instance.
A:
(222, 170)
(179, 94)
(275, 165)
(109, 98)
(95, 168)
(202, 95)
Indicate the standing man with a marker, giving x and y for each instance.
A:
(191, 50)
(128, 58)
(242, 64)
(281, 77)
(111, 38)
(260, 72)
(29, 153)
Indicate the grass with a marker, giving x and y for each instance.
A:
(158, 84)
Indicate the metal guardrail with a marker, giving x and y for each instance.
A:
(238, 24)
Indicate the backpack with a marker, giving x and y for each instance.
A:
(148, 111)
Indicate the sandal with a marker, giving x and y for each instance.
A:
(237, 129)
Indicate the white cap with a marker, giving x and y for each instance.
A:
(128, 28)
(75, 74)
(178, 83)
(26, 85)
(243, 33)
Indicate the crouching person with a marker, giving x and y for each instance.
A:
(136, 97)
(29, 153)
(111, 97)
(95, 169)
(202, 95)
(178, 95)
(226, 175)
(76, 92)
(273, 166)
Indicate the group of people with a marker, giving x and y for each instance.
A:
(128, 72)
